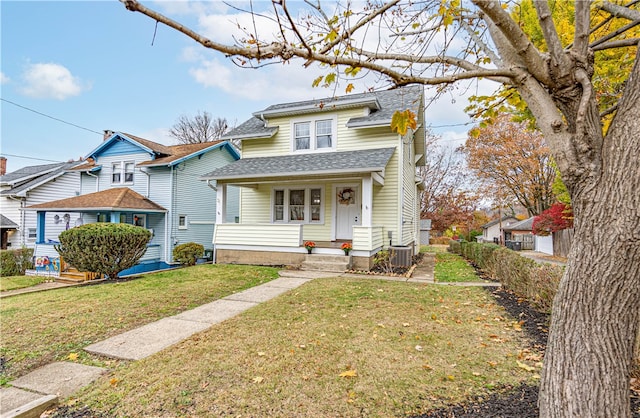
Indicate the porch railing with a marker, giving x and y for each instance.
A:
(367, 238)
(270, 235)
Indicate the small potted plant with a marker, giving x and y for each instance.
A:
(346, 247)
(309, 245)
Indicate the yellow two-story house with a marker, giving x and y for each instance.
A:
(329, 171)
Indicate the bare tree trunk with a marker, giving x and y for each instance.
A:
(596, 312)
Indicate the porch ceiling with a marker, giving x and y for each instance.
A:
(307, 165)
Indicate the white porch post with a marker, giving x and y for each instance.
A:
(367, 201)
(221, 203)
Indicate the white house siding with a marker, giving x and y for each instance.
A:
(62, 187)
(88, 183)
(139, 184)
(409, 220)
(196, 200)
(10, 208)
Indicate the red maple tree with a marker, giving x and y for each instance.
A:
(559, 216)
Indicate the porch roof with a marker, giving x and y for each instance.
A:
(115, 199)
(324, 163)
(6, 223)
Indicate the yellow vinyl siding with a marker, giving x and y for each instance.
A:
(280, 235)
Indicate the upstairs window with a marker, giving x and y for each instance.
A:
(128, 171)
(120, 175)
(314, 135)
(116, 172)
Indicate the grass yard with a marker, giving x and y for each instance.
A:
(333, 347)
(453, 268)
(19, 282)
(40, 328)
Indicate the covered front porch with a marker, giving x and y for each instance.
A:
(120, 205)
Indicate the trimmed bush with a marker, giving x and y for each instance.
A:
(439, 240)
(188, 253)
(15, 262)
(103, 248)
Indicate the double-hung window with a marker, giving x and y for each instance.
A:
(122, 172)
(297, 205)
(314, 135)
(116, 172)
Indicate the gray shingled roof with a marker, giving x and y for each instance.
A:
(25, 173)
(526, 225)
(6, 223)
(496, 221)
(39, 179)
(304, 164)
(381, 103)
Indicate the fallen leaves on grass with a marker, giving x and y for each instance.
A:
(348, 374)
(73, 356)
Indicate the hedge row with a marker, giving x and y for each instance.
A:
(15, 262)
(536, 282)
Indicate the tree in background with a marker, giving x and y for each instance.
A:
(596, 312)
(558, 217)
(446, 198)
(200, 128)
(512, 157)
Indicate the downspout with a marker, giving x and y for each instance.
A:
(211, 186)
(148, 194)
(22, 229)
(97, 180)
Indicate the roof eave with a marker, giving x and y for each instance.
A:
(370, 102)
(97, 209)
(295, 173)
(251, 136)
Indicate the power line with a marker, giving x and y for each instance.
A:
(452, 125)
(30, 158)
(50, 117)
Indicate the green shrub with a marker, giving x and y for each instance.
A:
(104, 248)
(538, 283)
(15, 262)
(187, 253)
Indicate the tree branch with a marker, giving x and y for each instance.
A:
(615, 33)
(622, 43)
(559, 61)
(620, 11)
(490, 53)
(516, 37)
(581, 36)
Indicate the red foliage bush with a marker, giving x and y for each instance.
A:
(558, 217)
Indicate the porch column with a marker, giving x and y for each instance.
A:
(40, 222)
(221, 203)
(367, 201)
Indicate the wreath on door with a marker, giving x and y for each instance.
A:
(346, 196)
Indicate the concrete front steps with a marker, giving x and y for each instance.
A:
(325, 262)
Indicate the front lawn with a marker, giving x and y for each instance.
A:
(333, 347)
(19, 282)
(451, 267)
(40, 328)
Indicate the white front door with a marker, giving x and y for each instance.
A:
(348, 211)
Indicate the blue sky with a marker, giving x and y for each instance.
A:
(91, 63)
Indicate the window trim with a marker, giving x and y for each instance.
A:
(140, 216)
(122, 171)
(313, 137)
(307, 204)
(32, 236)
(186, 222)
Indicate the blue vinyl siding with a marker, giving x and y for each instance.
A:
(120, 148)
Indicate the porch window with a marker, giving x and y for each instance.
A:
(116, 172)
(298, 205)
(102, 217)
(314, 135)
(140, 220)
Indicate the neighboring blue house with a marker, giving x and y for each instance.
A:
(128, 179)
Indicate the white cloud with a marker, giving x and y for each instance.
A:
(51, 81)
(3, 78)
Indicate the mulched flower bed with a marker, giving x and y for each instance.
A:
(513, 402)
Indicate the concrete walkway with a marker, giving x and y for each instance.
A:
(38, 391)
